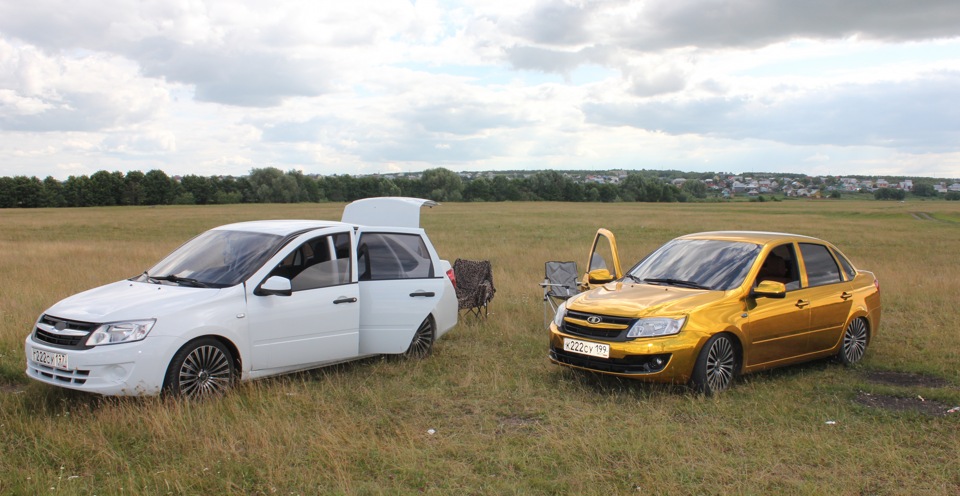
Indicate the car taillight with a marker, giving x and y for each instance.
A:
(452, 276)
(876, 284)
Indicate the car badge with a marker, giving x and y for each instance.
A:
(593, 319)
(61, 325)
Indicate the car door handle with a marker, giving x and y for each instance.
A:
(846, 296)
(423, 293)
(802, 303)
(344, 299)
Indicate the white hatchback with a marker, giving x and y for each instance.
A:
(254, 299)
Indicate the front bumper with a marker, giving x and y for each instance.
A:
(664, 359)
(127, 369)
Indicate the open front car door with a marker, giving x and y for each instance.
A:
(603, 264)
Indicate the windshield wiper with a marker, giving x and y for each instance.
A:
(177, 279)
(677, 282)
(635, 278)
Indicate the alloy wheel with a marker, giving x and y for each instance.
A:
(855, 341)
(422, 341)
(206, 371)
(721, 363)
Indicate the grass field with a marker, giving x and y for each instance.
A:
(505, 420)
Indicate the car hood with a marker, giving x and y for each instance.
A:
(642, 300)
(128, 300)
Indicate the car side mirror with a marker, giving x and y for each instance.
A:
(770, 289)
(599, 276)
(275, 285)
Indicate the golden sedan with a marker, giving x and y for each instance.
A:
(706, 307)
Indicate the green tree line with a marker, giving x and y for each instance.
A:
(271, 185)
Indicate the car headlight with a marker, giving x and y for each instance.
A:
(120, 332)
(558, 318)
(648, 328)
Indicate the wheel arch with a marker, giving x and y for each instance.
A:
(738, 347)
(234, 350)
(418, 348)
(229, 344)
(736, 337)
(859, 350)
(860, 313)
(433, 325)
(701, 375)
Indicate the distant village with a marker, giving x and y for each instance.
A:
(730, 185)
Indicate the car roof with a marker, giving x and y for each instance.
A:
(757, 237)
(280, 227)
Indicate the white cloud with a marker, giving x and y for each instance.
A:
(910, 115)
(216, 87)
(818, 158)
(61, 93)
(139, 143)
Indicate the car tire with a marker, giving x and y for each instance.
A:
(855, 340)
(716, 367)
(202, 368)
(422, 343)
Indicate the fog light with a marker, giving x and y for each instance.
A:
(115, 373)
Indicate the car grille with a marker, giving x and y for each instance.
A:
(63, 333)
(76, 377)
(616, 334)
(630, 364)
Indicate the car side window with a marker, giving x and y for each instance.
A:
(386, 256)
(821, 266)
(602, 257)
(847, 266)
(781, 266)
(317, 263)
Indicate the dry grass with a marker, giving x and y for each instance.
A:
(505, 420)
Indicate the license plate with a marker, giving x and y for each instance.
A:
(56, 360)
(599, 350)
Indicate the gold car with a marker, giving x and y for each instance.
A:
(706, 307)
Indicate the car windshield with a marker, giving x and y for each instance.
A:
(216, 259)
(697, 263)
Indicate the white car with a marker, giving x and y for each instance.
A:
(254, 299)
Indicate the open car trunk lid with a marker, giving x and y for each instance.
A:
(387, 211)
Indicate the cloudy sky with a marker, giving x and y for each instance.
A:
(203, 87)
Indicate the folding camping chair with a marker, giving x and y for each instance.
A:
(474, 286)
(559, 284)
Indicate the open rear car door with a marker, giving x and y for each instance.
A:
(603, 264)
